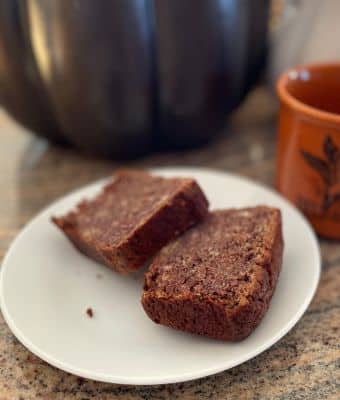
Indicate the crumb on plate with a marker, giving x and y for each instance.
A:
(89, 312)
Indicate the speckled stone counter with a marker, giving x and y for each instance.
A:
(305, 364)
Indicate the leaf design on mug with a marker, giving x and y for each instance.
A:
(318, 164)
(330, 149)
(328, 170)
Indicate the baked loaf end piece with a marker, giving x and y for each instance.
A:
(133, 217)
(218, 278)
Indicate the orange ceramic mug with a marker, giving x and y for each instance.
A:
(308, 163)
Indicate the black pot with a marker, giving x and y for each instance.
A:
(119, 77)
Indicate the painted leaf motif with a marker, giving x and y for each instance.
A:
(330, 149)
(329, 170)
(319, 165)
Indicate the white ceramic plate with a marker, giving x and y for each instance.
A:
(46, 287)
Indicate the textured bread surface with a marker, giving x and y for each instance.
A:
(133, 217)
(218, 278)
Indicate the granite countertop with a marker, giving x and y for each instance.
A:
(305, 364)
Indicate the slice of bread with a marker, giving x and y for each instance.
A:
(133, 217)
(218, 278)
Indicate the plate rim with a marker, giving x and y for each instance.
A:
(156, 380)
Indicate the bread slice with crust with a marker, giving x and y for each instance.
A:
(133, 217)
(218, 278)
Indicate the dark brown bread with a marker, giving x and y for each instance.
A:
(133, 217)
(218, 278)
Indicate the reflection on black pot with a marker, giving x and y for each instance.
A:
(118, 78)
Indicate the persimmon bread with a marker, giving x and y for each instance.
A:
(217, 279)
(133, 217)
